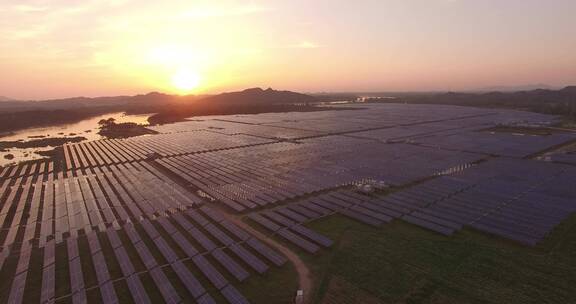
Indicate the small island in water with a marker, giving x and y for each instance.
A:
(110, 129)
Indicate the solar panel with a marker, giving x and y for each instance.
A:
(312, 235)
(48, 291)
(168, 293)
(184, 244)
(76, 277)
(306, 212)
(165, 249)
(72, 246)
(428, 225)
(197, 217)
(436, 220)
(49, 253)
(113, 238)
(361, 217)
(17, 289)
(503, 233)
(267, 252)
(210, 272)
(108, 293)
(182, 221)
(137, 291)
(250, 259)
(298, 241)
(279, 218)
(188, 279)
(124, 261)
(145, 255)
(292, 215)
(205, 299)
(235, 230)
(202, 239)
(100, 266)
(219, 235)
(264, 222)
(234, 268)
(233, 296)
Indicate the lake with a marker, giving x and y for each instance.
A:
(87, 128)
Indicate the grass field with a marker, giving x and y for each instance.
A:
(401, 263)
(276, 286)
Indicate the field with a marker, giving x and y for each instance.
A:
(401, 263)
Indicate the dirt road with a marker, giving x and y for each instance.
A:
(304, 276)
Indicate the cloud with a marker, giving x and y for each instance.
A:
(306, 45)
(221, 11)
(29, 8)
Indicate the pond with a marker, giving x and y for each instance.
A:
(87, 128)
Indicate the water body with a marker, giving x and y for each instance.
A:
(87, 128)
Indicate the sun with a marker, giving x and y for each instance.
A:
(185, 80)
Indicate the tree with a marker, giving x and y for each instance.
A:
(107, 122)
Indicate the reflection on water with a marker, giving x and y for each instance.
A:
(86, 128)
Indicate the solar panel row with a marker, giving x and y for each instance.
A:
(85, 201)
(201, 222)
(522, 200)
(248, 178)
(291, 230)
(119, 151)
(27, 170)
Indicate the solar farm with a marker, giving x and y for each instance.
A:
(200, 211)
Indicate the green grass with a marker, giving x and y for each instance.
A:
(278, 285)
(401, 263)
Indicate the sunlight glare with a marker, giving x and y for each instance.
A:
(185, 80)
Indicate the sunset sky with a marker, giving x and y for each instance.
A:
(63, 48)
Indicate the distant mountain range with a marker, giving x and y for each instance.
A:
(255, 100)
(559, 102)
(153, 102)
(529, 87)
(259, 96)
(120, 103)
(4, 98)
(22, 114)
(16, 115)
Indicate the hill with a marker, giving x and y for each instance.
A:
(4, 98)
(137, 103)
(249, 101)
(529, 87)
(260, 96)
(15, 115)
(559, 102)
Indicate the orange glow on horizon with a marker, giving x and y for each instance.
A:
(128, 47)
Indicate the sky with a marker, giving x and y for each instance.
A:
(64, 48)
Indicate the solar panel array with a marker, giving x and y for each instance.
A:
(84, 202)
(232, 128)
(192, 241)
(26, 169)
(495, 143)
(503, 197)
(132, 215)
(248, 178)
(568, 157)
(522, 200)
(374, 116)
(107, 152)
(154, 248)
(370, 210)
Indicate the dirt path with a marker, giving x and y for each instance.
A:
(304, 277)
